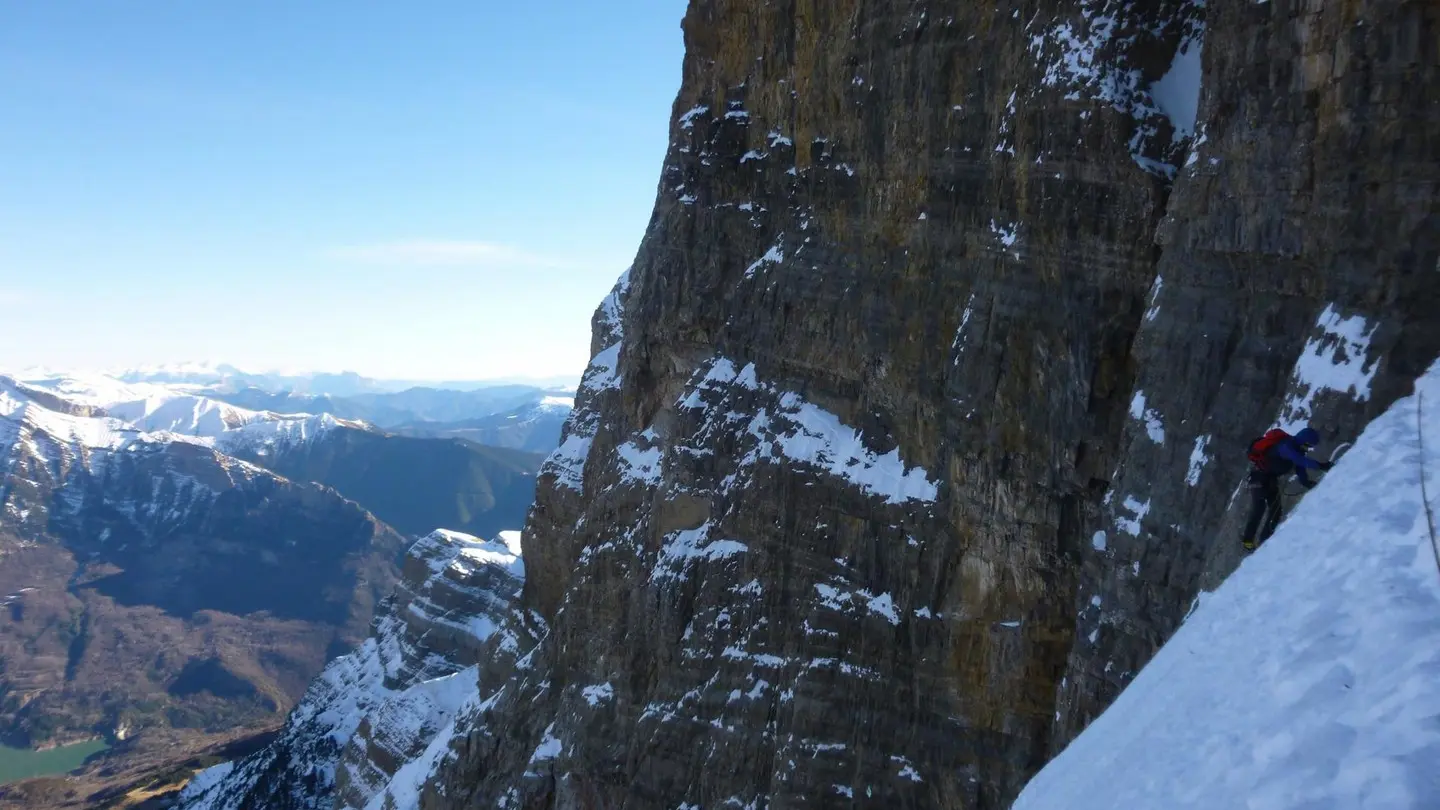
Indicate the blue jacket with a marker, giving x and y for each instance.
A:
(1289, 455)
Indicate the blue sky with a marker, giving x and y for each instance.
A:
(431, 190)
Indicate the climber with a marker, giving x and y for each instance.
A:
(1274, 456)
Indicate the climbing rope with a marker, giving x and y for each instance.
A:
(1424, 494)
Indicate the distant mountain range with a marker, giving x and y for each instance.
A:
(176, 563)
(534, 426)
(409, 407)
(514, 415)
(345, 383)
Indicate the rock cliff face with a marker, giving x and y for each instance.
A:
(918, 422)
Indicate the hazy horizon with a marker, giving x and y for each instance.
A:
(219, 367)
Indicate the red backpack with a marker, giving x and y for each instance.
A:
(1260, 448)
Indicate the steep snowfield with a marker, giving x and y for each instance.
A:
(1311, 678)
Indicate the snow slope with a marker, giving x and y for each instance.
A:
(1311, 678)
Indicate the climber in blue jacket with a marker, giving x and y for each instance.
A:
(1274, 456)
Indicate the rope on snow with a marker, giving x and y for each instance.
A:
(1424, 495)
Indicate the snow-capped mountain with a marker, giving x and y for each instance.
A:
(413, 483)
(1308, 679)
(150, 407)
(61, 435)
(415, 411)
(374, 722)
(128, 537)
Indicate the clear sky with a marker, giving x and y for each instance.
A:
(420, 190)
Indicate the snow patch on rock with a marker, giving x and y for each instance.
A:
(1199, 457)
(1337, 360)
(1154, 428)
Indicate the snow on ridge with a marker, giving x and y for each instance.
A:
(804, 432)
(368, 686)
(800, 431)
(403, 789)
(611, 308)
(1338, 360)
(152, 407)
(549, 747)
(75, 435)
(153, 413)
(458, 695)
(271, 435)
(640, 465)
(206, 779)
(1331, 700)
(686, 546)
(566, 464)
(83, 431)
(1155, 298)
(444, 549)
(333, 707)
(602, 371)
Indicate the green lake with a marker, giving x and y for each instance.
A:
(22, 763)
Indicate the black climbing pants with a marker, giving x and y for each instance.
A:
(1264, 504)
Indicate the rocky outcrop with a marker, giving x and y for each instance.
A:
(917, 424)
(367, 725)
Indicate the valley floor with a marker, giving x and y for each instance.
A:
(137, 775)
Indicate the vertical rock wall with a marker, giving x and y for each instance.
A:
(914, 429)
